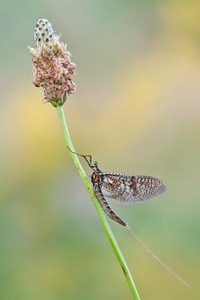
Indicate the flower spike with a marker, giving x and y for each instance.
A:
(52, 66)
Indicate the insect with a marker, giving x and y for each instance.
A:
(126, 189)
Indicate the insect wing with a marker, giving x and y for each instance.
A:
(129, 189)
(149, 187)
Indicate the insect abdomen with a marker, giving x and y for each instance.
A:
(106, 207)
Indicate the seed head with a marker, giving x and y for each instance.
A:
(44, 33)
(52, 66)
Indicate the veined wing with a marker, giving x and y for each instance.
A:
(129, 189)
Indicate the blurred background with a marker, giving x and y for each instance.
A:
(136, 111)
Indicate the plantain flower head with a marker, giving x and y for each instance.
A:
(52, 66)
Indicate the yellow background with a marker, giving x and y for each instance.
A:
(137, 111)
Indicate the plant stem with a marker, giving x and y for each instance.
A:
(100, 212)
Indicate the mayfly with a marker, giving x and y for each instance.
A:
(126, 189)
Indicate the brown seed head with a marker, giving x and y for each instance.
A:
(52, 66)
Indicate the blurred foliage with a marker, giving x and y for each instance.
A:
(136, 110)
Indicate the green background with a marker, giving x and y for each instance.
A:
(137, 111)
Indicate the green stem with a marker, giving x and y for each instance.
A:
(100, 212)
